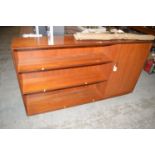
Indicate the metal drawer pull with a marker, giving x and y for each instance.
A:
(115, 68)
(42, 68)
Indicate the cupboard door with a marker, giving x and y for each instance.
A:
(129, 62)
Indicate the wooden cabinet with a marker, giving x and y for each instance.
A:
(74, 72)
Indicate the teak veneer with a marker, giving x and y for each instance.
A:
(74, 72)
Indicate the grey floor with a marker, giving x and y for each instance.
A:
(135, 110)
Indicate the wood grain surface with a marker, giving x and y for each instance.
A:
(59, 79)
(129, 60)
(74, 72)
(43, 102)
(63, 42)
(38, 60)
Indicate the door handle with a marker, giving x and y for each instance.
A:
(115, 68)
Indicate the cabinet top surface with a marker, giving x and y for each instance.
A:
(63, 42)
